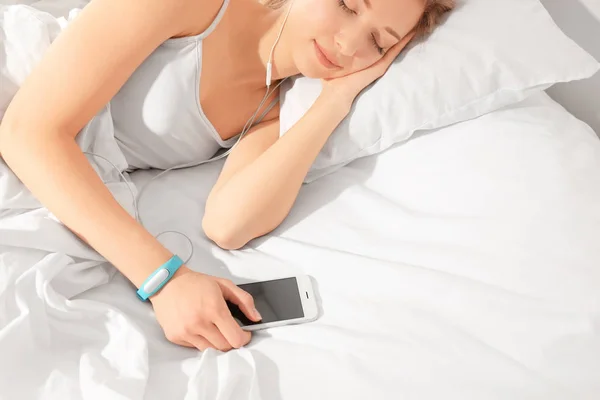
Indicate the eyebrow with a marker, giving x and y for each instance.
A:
(387, 29)
(394, 34)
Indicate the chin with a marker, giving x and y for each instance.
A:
(310, 68)
(311, 72)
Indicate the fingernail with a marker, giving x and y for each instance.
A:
(257, 314)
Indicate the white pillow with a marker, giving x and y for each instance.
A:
(487, 54)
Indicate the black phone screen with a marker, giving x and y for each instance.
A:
(275, 300)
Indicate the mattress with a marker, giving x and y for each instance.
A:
(462, 264)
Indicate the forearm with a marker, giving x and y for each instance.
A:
(257, 198)
(55, 170)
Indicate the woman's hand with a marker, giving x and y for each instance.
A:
(192, 311)
(347, 87)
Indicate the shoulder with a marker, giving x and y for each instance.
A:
(175, 16)
(185, 17)
(195, 16)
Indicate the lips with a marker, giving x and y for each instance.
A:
(327, 61)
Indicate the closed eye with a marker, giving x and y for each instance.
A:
(344, 7)
(342, 4)
(377, 46)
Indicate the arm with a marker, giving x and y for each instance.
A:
(79, 74)
(264, 173)
(81, 71)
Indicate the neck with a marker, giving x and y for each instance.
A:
(283, 63)
(253, 42)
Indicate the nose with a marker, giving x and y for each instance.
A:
(349, 42)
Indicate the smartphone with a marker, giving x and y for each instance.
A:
(280, 302)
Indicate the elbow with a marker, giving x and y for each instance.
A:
(15, 135)
(231, 230)
(223, 234)
(9, 143)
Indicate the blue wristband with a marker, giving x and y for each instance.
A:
(158, 278)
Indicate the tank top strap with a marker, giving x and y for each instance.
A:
(216, 21)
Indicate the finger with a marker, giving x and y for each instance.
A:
(198, 342)
(241, 298)
(395, 50)
(392, 53)
(182, 343)
(230, 329)
(216, 338)
(406, 39)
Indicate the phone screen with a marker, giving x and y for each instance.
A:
(275, 300)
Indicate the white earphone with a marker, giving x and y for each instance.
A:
(245, 130)
(270, 61)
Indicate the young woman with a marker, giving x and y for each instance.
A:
(183, 77)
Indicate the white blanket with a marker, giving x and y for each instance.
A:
(463, 264)
(43, 265)
(54, 345)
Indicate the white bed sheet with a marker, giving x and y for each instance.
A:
(464, 264)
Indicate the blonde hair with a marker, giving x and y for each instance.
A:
(432, 15)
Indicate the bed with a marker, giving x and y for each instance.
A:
(462, 264)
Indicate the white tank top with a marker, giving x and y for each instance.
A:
(158, 119)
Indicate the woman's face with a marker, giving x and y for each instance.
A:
(332, 38)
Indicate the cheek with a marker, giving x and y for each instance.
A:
(313, 20)
(317, 18)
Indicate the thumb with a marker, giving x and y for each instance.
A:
(239, 297)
